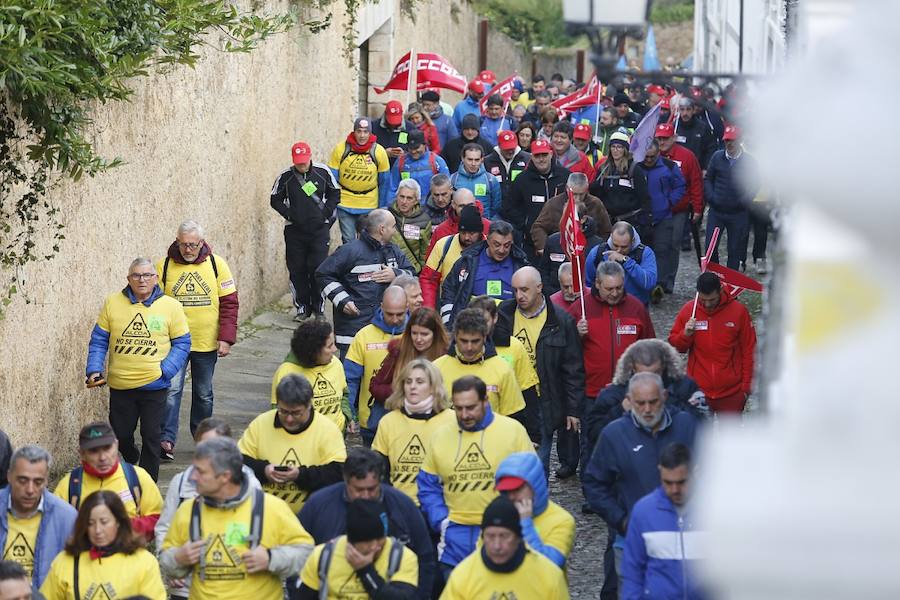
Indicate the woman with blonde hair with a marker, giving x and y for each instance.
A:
(418, 407)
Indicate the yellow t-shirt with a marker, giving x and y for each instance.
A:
(139, 338)
(517, 358)
(20, 540)
(226, 532)
(466, 461)
(529, 330)
(319, 444)
(198, 290)
(503, 389)
(358, 175)
(453, 254)
(402, 439)
(151, 500)
(328, 384)
(114, 577)
(368, 348)
(556, 527)
(343, 584)
(537, 578)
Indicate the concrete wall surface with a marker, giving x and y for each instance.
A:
(207, 144)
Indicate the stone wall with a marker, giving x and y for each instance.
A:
(206, 144)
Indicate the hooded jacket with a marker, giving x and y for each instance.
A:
(450, 225)
(720, 352)
(324, 516)
(527, 196)
(665, 186)
(456, 289)
(466, 106)
(484, 186)
(346, 276)
(57, 523)
(726, 185)
(452, 150)
(639, 265)
(623, 467)
(547, 222)
(491, 127)
(551, 529)
(697, 136)
(576, 161)
(558, 360)
(309, 209)
(506, 171)
(445, 127)
(437, 214)
(422, 170)
(660, 547)
(413, 235)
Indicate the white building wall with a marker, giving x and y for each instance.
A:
(717, 36)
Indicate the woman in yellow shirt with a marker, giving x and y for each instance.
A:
(417, 408)
(103, 558)
(313, 355)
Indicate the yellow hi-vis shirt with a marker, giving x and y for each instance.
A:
(466, 461)
(225, 531)
(343, 583)
(358, 175)
(114, 577)
(151, 502)
(319, 444)
(402, 439)
(556, 527)
(198, 290)
(441, 263)
(328, 384)
(369, 349)
(139, 338)
(529, 330)
(21, 539)
(503, 389)
(517, 357)
(537, 578)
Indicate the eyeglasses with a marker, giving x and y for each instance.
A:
(190, 246)
(294, 414)
(141, 276)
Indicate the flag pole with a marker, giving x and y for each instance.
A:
(412, 81)
(580, 284)
(710, 248)
(597, 116)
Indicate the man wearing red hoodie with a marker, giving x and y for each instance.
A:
(720, 342)
(691, 204)
(461, 197)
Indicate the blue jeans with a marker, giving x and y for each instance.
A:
(738, 227)
(347, 222)
(203, 365)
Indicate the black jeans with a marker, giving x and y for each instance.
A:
(305, 252)
(125, 408)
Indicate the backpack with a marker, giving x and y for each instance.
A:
(348, 151)
(131, 477)
(256, 518)
(328, 553)
(212, 261)
(431, 161)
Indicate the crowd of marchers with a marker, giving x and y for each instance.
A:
(463, 342)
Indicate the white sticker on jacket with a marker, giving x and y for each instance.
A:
(412, 232)
(557, 257)
(701, 325)
(538, 199)
(626, 330)
(625, 182)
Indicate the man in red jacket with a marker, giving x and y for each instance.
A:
(461, 197)
(691, 204)
(613, 321)
(720, 342)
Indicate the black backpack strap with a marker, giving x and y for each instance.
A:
(638, 253)
(165, 270)
(75, 578)
(444, 253)
(345, 154)
(324, 565)
(212, 261)
(75, 478)
(395, 558)
(194, 532)
(256, 518)
(134, 484)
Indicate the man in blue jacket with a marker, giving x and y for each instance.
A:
(324, 515)
(443, 122)
(666, 187)
(417, 163)
(470, 104)
(624, 247)
(472, 176)
(26, 499)
(623, 466)
(662, 542)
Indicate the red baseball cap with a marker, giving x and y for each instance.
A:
(540, 147)
(665, 130)
(582, 132)
(656, 89)
(510, 483)
(731, 133)
(393, 113)
(301, 153)
(507, 140)
(664, 103)
(476, 86)
(487, 76)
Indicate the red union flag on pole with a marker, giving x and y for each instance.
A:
(733, 281)
(504, 88)
(432, 70)
(573, 242)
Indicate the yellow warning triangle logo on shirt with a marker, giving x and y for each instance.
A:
(473, 460)
(189, 286)
(523, 337)
(414, 453)
(19, 550)
(291, 459)
(217, 554)
(100, 593)
(322, 387)
(137, 328)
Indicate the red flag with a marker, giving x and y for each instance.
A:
(589, 95)
(572, 239)
(504, 88)
(432, 70)
(737, 281)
